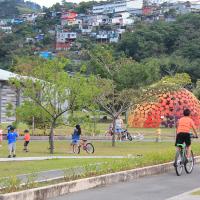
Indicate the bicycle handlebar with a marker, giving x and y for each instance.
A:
(193, 136)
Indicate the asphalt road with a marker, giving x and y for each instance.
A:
(159, 187)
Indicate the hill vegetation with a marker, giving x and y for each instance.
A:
(13, 8)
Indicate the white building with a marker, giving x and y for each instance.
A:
(93, 20)
(195, 7)
(63, 37)
(6, 29)
(8, 95)
(64, 40)
(30, 17)
(117, 6)
(123, 18)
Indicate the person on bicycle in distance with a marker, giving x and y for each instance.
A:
(184, 125)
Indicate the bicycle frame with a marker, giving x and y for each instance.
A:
(182, 149)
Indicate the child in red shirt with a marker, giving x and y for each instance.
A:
(26, 140)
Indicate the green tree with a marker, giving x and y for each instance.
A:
(33, 115)
(125, 72)
(55, 92)
(84, 7)
(114, 102)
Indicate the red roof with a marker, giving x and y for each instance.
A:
(147, 10)
(69, 15)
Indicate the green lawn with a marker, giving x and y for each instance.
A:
(166, 133)
(196, 193)
(153, 153)
(40, 148)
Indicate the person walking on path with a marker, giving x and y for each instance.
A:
(12, 138)
(27, 138)
(1, 136)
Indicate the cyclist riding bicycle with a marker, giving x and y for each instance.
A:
(184, 125)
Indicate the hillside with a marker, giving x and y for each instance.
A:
(13, 8)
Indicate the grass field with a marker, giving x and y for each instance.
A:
(40, 148)
(153, 153)
(101, 128)
(196, 193)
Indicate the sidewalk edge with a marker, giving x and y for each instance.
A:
(52, 191)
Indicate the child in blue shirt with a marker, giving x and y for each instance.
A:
(76, 136)
(12, 138)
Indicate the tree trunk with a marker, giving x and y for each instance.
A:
(33, 125)
(51, 137)
(113, 136)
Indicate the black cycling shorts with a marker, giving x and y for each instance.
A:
(183, 138)
(26, 143)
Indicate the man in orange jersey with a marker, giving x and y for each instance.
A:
(184, 125)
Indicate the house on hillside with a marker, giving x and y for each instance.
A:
(69, 18)
(123, 19)
(8, 96)
(5, 22)
(116, 6)
(195, 7)
(107, 36)
(29, 17)
(6, 29)
(64, 40)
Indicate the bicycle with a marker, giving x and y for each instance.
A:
(126, 135)
(86, 146)
(181, 159)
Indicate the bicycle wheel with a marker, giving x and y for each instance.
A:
(76, 148)
(129, 136)
(89, 148)
(178, 163)
(189, 165)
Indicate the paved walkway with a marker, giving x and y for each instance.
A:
(56, 157)
(158, 187)
(187, 196)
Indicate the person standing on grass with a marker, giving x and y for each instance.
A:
(27, 138)
(75, 136)
(12, 138)
(119, 124)
(9, 127)
(1, 136)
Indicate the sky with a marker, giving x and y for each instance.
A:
(49, 3)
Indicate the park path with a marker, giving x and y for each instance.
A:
(158, 187)
(56, 157)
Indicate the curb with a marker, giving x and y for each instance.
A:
(52, 191)
(47, 192)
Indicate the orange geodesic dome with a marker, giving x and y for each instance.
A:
(166, 111)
